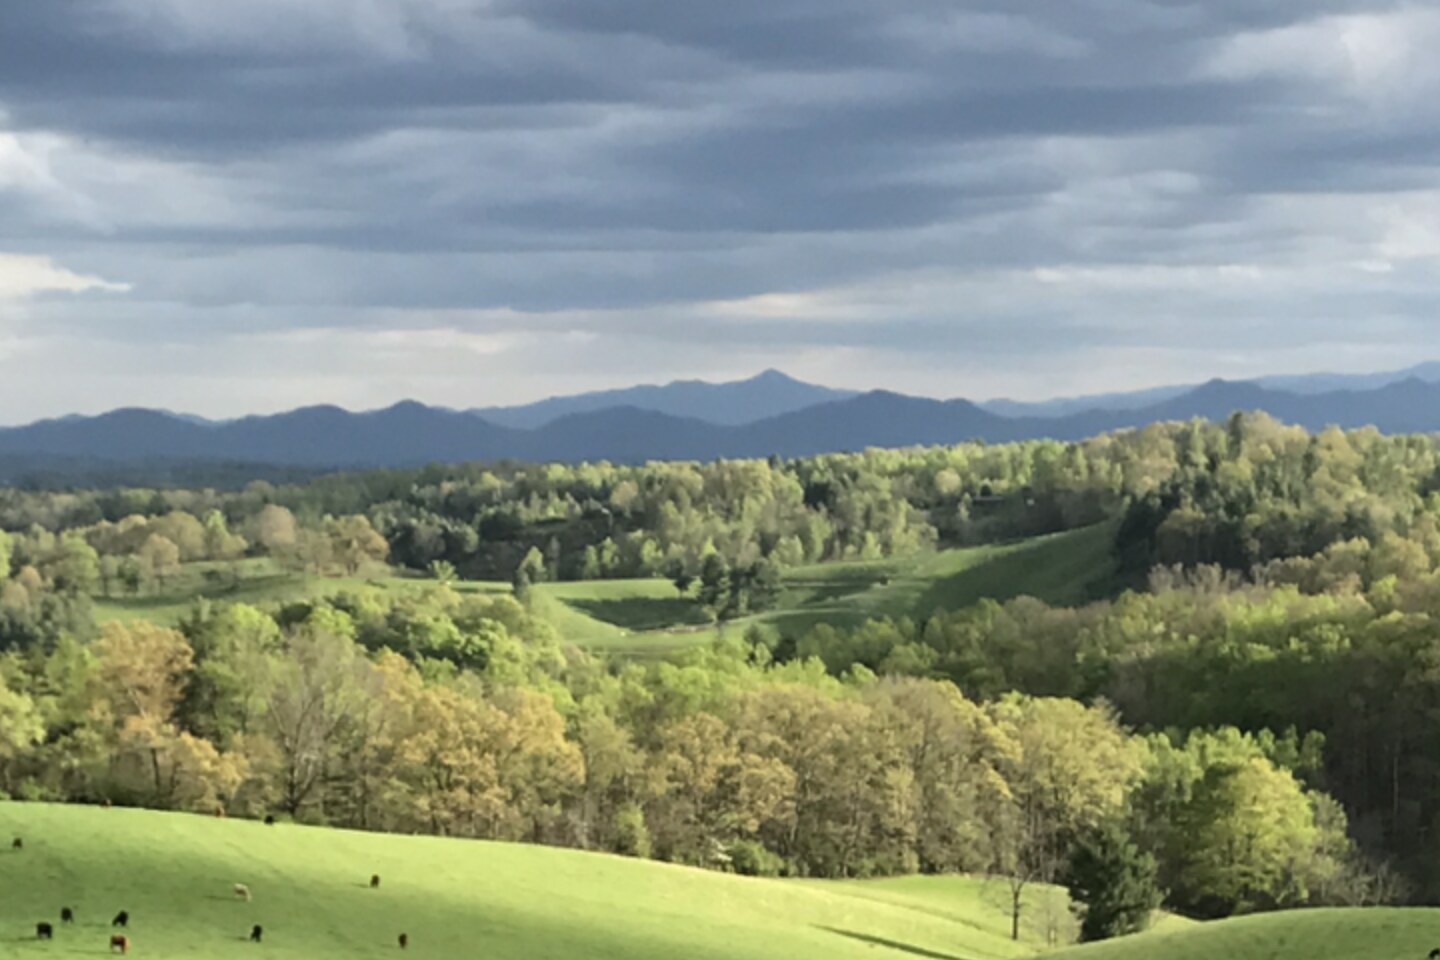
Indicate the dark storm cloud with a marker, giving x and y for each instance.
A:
(924, 178)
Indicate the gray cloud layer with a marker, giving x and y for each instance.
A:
(228, 207)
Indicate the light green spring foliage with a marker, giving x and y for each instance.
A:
(456, 900)
(650, 617)
(259, 581)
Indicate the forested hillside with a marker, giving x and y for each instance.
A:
(1247, 720)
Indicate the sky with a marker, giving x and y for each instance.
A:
(226, 208)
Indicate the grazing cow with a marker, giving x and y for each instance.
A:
(1435, 954)
(404, 941)
(120, 942)
(374, 881)
(269, 819)
(17, 844)
(256, 932)
(43, 931)
(243, 892)
(67, 915)
(122, 919)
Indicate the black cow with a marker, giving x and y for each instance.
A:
(122, 919)
(43, 931)
(374, 881)
(67, 915)
(17, 844)
(404, 941)
(269, 820)
(256, 932)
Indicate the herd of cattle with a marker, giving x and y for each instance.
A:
(120, 942)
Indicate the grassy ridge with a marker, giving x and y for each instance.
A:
(455, 899)
(1370, 933)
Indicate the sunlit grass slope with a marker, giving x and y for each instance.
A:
(1370, 933)
(455, 899)
(982, 903)
(1061, 568)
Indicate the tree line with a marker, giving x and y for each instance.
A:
(1238, 493)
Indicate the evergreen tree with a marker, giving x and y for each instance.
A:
(680, 577)
(1113, 881)
(764, 583)
(530, 571)
(715, 586)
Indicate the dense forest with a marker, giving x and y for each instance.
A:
(1251, 716)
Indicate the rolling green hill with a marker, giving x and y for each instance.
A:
(454, 898)
(1371, 933)
(648, 616)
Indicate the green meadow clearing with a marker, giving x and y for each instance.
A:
(650, 617)
(455, 899)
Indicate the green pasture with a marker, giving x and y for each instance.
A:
(454, 899)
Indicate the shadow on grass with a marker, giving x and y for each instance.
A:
(909, 948)
(819, 592)
(643, 613)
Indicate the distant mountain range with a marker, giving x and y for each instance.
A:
(1304, 384)
(728, 404)
(672, 422)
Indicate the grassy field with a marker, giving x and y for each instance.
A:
(1370, 933)
(1060, 568)
(648, 617)
(455, 899)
